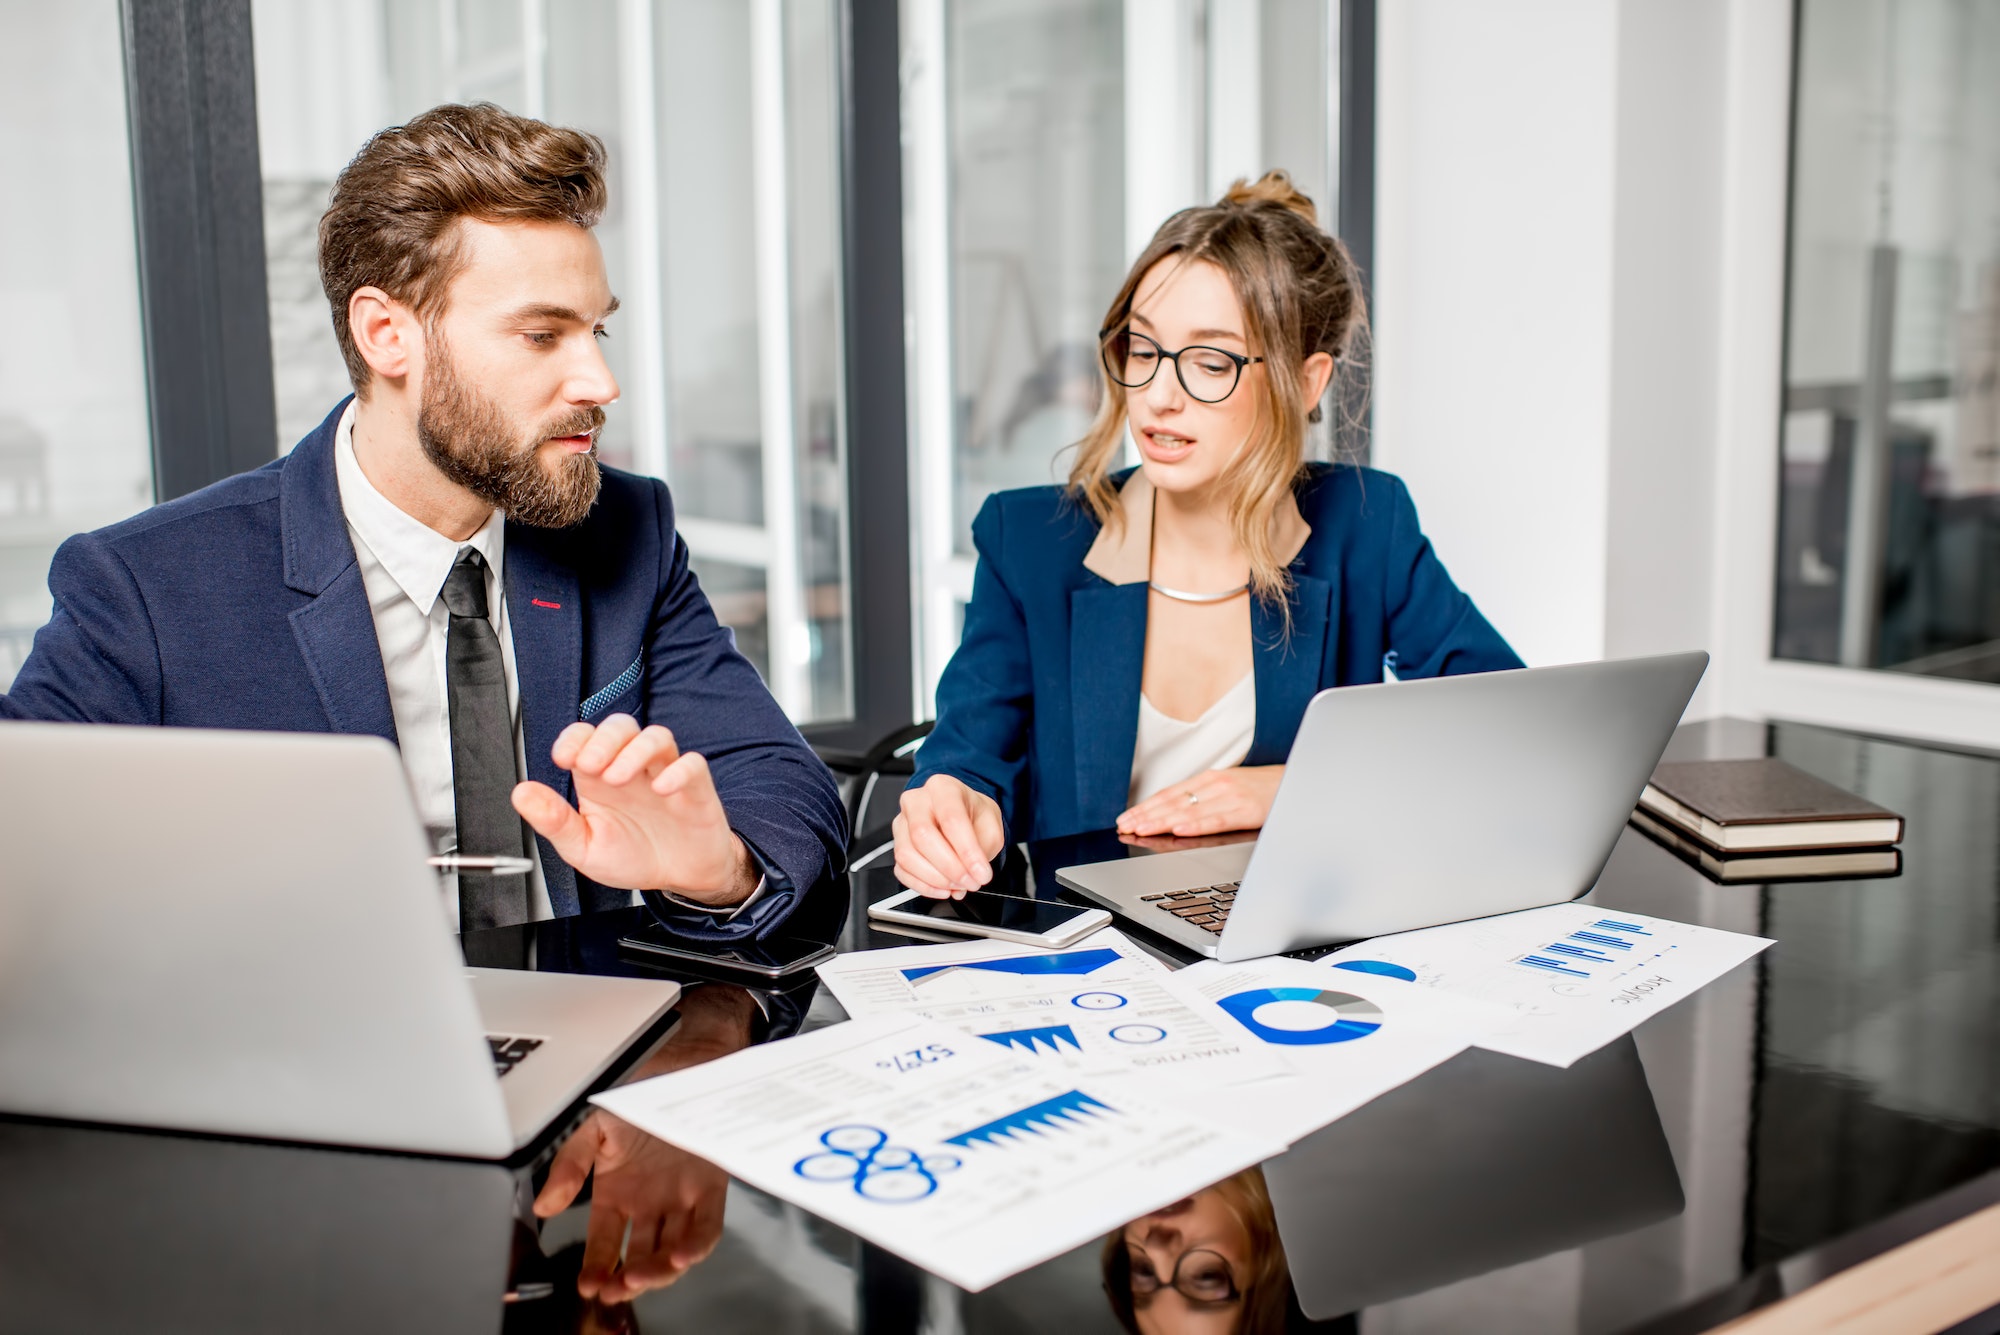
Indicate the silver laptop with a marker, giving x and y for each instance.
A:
(236, 932)
(1410, 804)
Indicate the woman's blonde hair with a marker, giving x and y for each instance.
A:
(1300, 295)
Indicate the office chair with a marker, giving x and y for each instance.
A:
(888, 758)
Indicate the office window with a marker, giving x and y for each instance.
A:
(1889, 521)
(722, 241)
(1046, 140)
(1037, 219)
(75, 452)
(1014, 198)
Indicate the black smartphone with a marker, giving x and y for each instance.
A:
(779, 957)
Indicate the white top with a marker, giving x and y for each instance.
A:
(1171, 749)
(404, 563)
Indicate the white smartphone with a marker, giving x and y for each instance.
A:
(1030, 922)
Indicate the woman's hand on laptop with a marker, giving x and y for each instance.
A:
(647, 815)
(947, 837)
(1209, 803)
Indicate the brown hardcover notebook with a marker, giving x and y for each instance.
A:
(1764, 806)
(1812, 864)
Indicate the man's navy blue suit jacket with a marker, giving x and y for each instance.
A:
(1039, 708)
(242, 606)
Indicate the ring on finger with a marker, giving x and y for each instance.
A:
(1193, 798)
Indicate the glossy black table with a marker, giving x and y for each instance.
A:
(1834, 1099)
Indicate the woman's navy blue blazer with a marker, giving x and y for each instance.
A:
(1039, 708)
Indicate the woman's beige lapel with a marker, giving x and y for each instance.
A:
(1124, 555)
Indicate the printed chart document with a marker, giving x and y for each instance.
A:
(877, 982)
(1575, 976)
(1347, 1041)
(1101, 1005)
(956, 1154)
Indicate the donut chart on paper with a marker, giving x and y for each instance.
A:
(1348, 1017)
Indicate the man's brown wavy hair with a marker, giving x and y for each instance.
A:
(1301, 294)
(392, 221)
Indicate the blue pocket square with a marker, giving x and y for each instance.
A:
(599, 704)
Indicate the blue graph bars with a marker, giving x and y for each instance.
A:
(1553, 966)
(1053, 1037)
(1059, 1113)
(1590, 953)
(1575, 954)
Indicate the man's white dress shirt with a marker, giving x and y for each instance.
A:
(404, 563)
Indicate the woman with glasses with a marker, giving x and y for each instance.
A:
(1141, 644)
(1209, 1265)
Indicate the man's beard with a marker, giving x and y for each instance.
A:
(472, 442)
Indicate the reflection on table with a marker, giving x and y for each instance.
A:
(1213, 1264)
(1485, 1162)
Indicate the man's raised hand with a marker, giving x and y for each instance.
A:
(647, 816)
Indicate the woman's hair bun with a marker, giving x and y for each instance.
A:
(1273, 187)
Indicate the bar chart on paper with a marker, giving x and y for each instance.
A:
(1575, 975)
(1607, 943)
(1098, 1007)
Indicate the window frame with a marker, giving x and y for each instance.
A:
(198, 192)
(1756, 229)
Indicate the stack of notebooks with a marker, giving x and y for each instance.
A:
(1762, 820)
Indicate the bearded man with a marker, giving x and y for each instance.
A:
(444, 563)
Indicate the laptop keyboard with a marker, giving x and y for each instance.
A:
(508, 1051)
(1206, 907)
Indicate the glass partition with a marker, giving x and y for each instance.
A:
(1036, 113)
(722, 240)
(75, 451)
(1889, 521)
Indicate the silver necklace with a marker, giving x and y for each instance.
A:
(1182, 597)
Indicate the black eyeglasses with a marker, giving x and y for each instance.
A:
(1209, 375)
(1201, 1276)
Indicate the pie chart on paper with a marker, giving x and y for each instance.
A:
(1303, 1016)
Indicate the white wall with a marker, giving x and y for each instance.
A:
(1549, 231)
(1494, 276)
(1661, 433)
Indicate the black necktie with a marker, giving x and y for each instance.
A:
(482, 752)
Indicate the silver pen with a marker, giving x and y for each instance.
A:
(498, 866)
